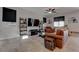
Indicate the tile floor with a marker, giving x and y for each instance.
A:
(36, 44)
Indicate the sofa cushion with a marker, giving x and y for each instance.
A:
(49, 30)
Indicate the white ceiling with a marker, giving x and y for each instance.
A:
(59, 10)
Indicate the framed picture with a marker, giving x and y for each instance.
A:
(73, 20)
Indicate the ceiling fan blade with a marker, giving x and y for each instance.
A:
(46, 10)
(49, 9)
(53, 10)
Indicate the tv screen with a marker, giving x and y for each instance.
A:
(9, 15)
(36, 22)
(30, 21)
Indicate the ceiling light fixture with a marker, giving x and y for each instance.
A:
(49, 12)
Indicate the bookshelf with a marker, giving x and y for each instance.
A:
(23, 26)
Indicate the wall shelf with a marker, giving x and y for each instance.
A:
(23, 26)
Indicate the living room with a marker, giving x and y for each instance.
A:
(26, 31)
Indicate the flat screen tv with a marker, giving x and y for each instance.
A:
(30, 21)
(9, 15)
(36, 22)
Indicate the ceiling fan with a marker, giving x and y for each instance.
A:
(50, 10)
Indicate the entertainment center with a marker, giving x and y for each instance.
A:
(33, 26)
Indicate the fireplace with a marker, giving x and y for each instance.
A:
(34, 32)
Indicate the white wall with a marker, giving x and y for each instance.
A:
(72, 26)
(11, 30)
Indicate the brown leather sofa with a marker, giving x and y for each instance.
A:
(49, 41)
(53, 38)
(59, 41)
(49, 30)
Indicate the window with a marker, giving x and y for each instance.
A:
(59, 21)
(56, 24)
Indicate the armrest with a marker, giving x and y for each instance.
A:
(53, 35)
